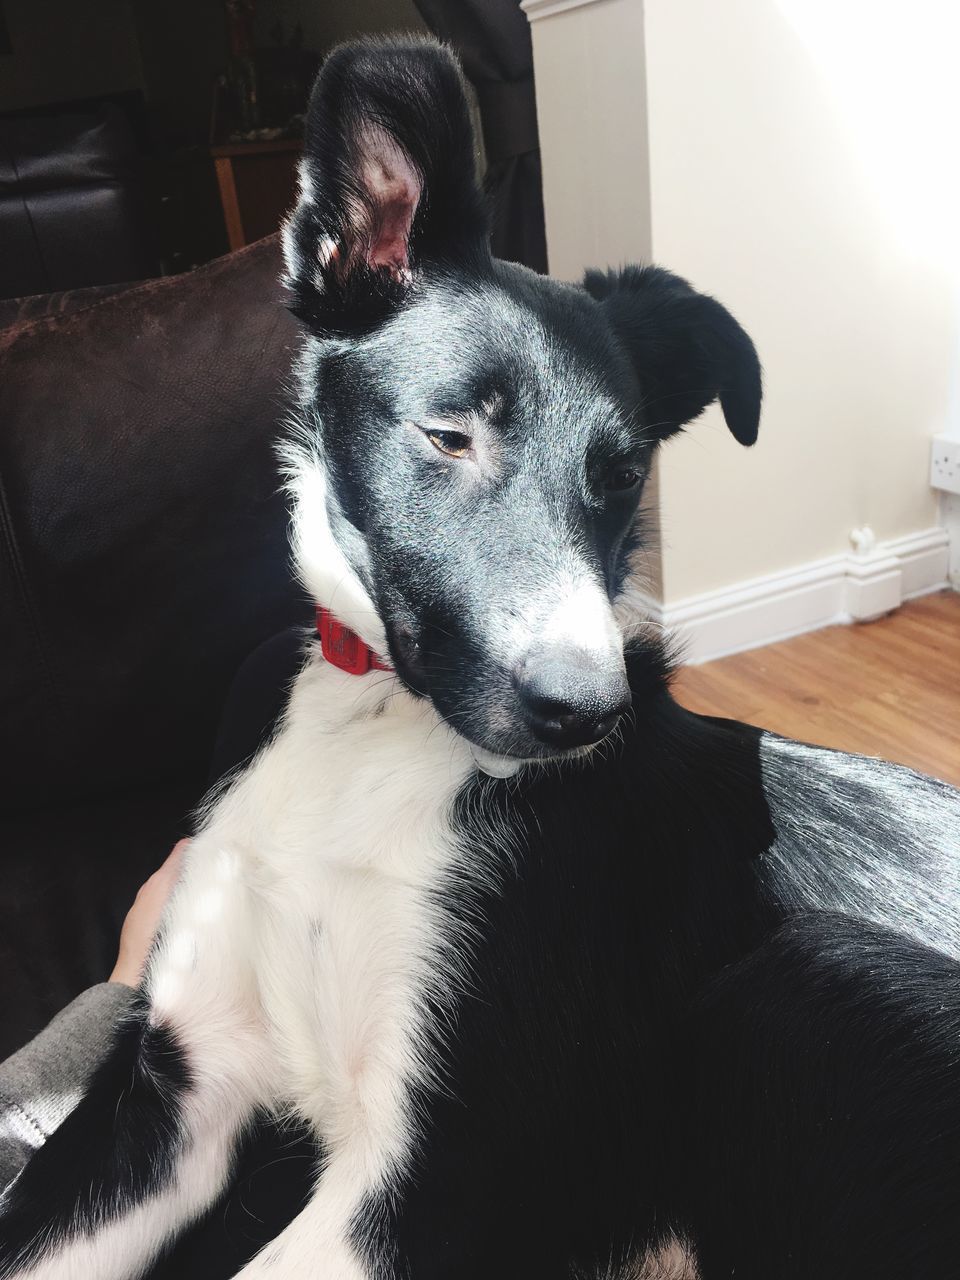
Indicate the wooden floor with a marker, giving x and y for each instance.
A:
(887, 688)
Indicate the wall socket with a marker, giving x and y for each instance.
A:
(945, 464)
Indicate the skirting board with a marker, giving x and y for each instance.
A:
(839, 589)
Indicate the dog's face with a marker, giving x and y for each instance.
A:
(475, 438)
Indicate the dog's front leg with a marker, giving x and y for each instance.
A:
(326, 1241)
(366, 1138)
(149, 1146)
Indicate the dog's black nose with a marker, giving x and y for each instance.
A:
(569, 700)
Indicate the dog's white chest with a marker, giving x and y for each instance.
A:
(346, 823)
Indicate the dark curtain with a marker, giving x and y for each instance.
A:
(492, 38)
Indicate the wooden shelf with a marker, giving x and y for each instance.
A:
(258, 186)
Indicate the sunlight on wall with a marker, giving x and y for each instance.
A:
(798, 159)
(892, 69)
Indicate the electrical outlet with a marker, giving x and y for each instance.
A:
(945, 464)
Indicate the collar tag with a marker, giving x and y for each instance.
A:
(343, 648)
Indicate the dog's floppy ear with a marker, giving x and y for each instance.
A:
(387, 182)
(686, 348)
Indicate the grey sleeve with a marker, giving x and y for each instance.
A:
(42, 1083)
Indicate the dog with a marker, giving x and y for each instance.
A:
(554, 971)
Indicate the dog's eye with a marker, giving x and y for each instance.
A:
(453, 443)
(622, 478)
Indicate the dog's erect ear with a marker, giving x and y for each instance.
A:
(686, 348)
(387, 182)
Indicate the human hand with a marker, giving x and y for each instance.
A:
(144, 916)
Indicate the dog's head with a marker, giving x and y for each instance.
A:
(474, 438)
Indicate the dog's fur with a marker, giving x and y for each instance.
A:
(699, 982)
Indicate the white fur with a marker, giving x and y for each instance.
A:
(352, 841)
(579, 614)
(323, 567)
(123, 1248)
(291, 258)
(305, 943)
(295, 962)
(569, 609)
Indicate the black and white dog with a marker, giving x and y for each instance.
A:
(544, 1004)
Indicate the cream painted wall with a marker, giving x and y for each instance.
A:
(591, 110)
(590, 71)
(759, 192)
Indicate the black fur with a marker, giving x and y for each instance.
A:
(413, 90)
(563, 388)
(116, 1148)
(551, 1151)
(688, 350)
(713, 989)
(652, 1046)
(823, 1108)
(572, 1131)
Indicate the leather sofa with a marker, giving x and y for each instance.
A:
(143, 555)
(72, 204)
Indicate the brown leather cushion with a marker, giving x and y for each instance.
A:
(143, 544)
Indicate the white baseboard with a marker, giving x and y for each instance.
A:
(839, 589)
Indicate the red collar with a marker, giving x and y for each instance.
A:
(343, 648)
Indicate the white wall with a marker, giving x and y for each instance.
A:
(591, 111)
(778, 151)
